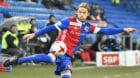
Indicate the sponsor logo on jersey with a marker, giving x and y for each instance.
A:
(75, 24)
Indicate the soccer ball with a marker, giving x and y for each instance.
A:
(58, 48)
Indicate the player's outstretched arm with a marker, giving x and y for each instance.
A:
(110, 31)
(40, 32)
(29, 36)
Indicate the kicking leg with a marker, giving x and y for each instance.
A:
(37, 58)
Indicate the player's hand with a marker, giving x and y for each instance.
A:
(29, 36)
(128, 30)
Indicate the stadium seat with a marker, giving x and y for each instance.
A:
(1, 18)
(26, 4)
(41, 23)
(37, 16)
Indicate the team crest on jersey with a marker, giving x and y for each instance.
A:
(86, 28)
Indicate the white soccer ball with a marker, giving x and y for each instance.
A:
(58, 48)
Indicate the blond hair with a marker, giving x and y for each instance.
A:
(84, 5)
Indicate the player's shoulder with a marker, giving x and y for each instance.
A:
(65, 19)
(68, 19)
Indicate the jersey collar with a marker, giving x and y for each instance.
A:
(80, 21)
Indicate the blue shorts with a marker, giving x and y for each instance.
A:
(63, 63)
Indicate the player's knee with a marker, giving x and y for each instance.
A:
(66, 74)
(53, 57)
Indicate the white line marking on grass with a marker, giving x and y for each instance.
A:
(87, 67)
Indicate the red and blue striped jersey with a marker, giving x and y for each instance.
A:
(73, 32)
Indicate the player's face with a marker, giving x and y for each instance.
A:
(82, 14)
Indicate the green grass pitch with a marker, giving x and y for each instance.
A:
(47, 71)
